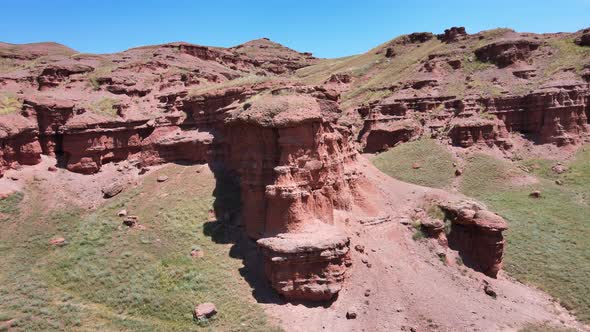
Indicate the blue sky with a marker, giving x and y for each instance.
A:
(327, 28)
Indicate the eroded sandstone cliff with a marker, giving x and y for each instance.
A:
(288, 131)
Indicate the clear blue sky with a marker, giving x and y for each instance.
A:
(327, 28)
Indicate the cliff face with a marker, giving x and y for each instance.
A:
(557, 115)
(289, 142)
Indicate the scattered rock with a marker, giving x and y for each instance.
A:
(558, 182)
(390, 52)
(416, 165)
(535, 194)
(52, 169)
(122, 213)
(112, 190)
(351, 314)
(13, 177)
(559, 168)
(197, 252)
(458, 172)
(432, 223)
(204, 311)
(131, 221)
(360, 248)
(58, 241)
(162, 178)
(583, 40)
(367, 292)
(489, 290)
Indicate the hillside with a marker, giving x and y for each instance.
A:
(436, 182)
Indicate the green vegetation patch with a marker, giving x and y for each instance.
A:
(548, 242)
(544, 328)
(566, 55)
(434, 161)
(9, 103)
(105, 106)
(244, 80)
(10, 206)
(113, 278)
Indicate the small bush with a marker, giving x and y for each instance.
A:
(105, 106)
(9, 103)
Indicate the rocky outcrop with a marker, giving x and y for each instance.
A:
(452, 34)
(506, 52)
(310, 265)
(476, 234)
(295, 169)
(584, 38)
(553, 115)
(22, 148)
(54, 74)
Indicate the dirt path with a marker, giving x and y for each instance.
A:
(405, 286)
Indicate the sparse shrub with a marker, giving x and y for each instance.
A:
(105, 106)
(9, 103)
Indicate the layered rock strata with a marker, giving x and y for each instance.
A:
(476, 234)
(308, 265)
(556, 115)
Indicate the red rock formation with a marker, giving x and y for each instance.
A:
(506, 52)
(557, 115)
(476, 234)
(292, 166)
(584, 39)
(452, 34)
(309, 266)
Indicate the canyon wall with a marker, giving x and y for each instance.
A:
(557, 115)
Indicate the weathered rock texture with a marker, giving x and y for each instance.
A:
(309, 265)
(476, 234)
(292, 146)
(557, 115)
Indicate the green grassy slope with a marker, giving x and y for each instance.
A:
(548, 239)
(112, 278)
(436, 163)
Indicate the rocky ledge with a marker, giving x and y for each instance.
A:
(309, 265)
(476, 234)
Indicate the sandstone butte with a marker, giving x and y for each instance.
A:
(292, 131)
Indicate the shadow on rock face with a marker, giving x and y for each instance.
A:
(226, 228)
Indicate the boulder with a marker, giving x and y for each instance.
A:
(489, 290)
(204, 311)
(535, 194)
(112, 190)
(162, 178)
(559, 168)
(58, 241)
(477, 234)
(307, 266)
(351, 314)
(131, 221)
